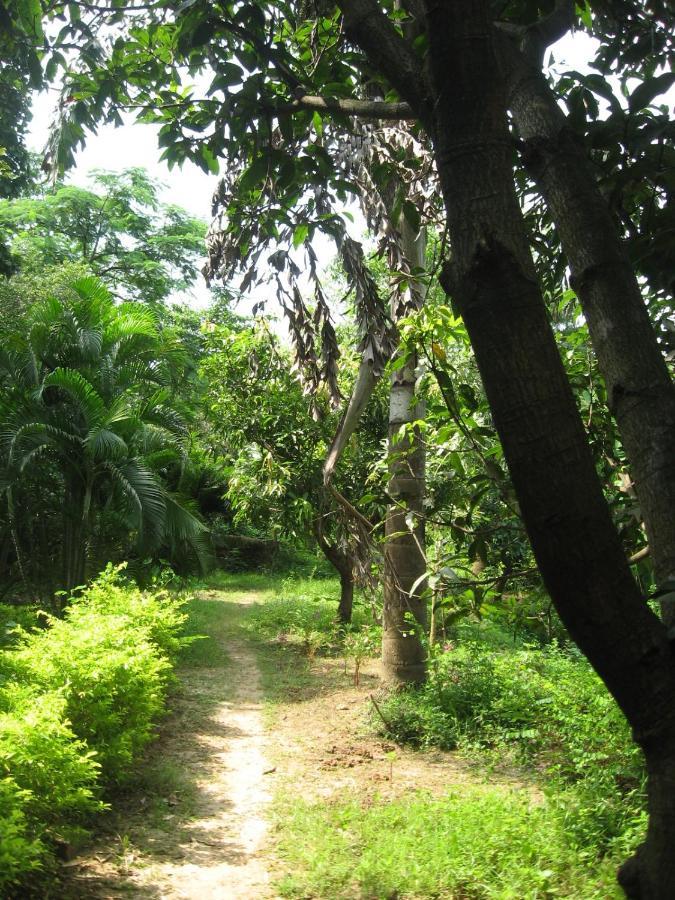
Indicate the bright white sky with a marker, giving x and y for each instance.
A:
(115, 149)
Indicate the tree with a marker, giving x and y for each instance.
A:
(86, 394)
(492, 281)
(143, 249)
(257, 408)
(19, 31)
(456, 78)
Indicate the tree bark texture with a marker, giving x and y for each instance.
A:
(344, 566)
(640, 391)
(404, 609)
(493, 281)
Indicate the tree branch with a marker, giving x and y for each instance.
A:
(534, 39)
(388, 51)
(363, 389)
(363, 109)
(551, 28)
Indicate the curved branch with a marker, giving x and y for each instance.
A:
(363, 390)
(550, 29)
(388, 51)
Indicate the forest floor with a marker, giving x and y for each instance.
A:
(253, 726)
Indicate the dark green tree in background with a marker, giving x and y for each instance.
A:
(88, 427)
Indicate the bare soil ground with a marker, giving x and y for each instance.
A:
(201, 830)
(204, 839)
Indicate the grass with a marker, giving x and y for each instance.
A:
(473, 845)
(476, 844)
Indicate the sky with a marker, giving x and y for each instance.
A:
(115, 149)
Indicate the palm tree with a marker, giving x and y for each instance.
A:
(88, 387)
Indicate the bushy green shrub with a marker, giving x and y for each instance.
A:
(40, 752)
(20, 853)
(543, 707)
(111, 677)
(110, 657)
(79, 700)
(14, 620)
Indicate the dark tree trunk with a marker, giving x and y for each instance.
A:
(650, 874)
(346, 604)
(576, 545)
(640, 392)
(493, 281)
(344, 566)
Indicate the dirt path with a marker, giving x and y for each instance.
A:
(196, 826)
(203, 839)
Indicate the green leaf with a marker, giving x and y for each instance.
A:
(29, 15)
(644, 93)
(317, 123)
(300, 234)
(210, 160)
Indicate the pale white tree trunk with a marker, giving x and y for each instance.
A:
(404, 613)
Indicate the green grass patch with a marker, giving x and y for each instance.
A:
(203, 625)
(473, 845)
(543, 709)
(295, 624)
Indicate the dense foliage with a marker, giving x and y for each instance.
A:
(89, 425)
(118, 229)
(120, 422)
(78, 702)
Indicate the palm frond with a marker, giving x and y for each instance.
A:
(184, 527)
(92, 291)
(73, 383)
(102, 443)
(142, 489)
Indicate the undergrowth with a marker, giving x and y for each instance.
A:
(501, 702)
(79, 698)
(540, 708)
(472, 845)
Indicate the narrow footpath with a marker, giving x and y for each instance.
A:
(197, 831)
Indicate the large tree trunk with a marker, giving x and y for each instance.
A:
(650, 874)
(640, 392)
(404, 609)
(576, 545)
(493, 281)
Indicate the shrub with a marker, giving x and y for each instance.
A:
(57, 772)
(547, 709)
(14, 620)
(78, 702)
(110, 657)
(21, 854)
